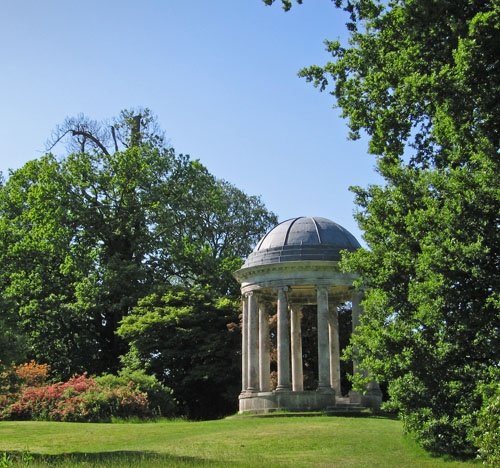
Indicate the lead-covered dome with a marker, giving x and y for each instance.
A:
(303, 238)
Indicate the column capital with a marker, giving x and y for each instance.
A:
(322, 287)
(282, 293)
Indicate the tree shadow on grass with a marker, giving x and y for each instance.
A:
(119, 458)
(364, 414)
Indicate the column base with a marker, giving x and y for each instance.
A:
(354, 397)
(326, 389)
(283, 389)
(373, 395)
(337, 390)
(372, 398)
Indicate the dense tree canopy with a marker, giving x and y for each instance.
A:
(421, 79)
(85, 236)
(188, 340)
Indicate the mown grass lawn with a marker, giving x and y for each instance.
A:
(320, 441)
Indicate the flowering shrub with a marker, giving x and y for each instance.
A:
(100, 404)
(4, 402)
(41, 402)
(14, 378)
(31, 373)
(83, 398)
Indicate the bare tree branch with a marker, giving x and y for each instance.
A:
(113, 134)
(133, 127)
(84, 131)
(52, 143)
(90, 137)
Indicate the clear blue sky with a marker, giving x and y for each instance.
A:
(220, 74)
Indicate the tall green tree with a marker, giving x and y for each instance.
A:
(421, 79)
(85, 236)
(41, 267)
(189, 339)
(11, 340)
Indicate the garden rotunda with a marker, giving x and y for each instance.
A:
(296, 264)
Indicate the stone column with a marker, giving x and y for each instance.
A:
(283, 342)
(264, 349)
(333, 332)
(253, 344)
(244, 344)
(323, 341)
(323, 345)
(297, 369)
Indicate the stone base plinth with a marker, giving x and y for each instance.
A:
(371, 399)
(263, 402)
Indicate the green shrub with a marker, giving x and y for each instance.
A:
(161, 399)
(487, 437)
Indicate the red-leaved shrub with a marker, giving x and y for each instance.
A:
(40, 402)
(83, 398)
(101, 404)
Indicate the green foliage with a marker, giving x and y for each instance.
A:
(12, 343)
(432, 268)
(5, 461)
(189, 340)
(421, 79)
(487, 436)
(85, 236)
(431, 310)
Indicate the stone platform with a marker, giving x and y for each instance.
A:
(266, 402)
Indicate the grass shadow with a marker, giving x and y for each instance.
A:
(363, 414)
(121, 458)
(308, 414)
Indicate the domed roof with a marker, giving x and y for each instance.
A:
(303, 238)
